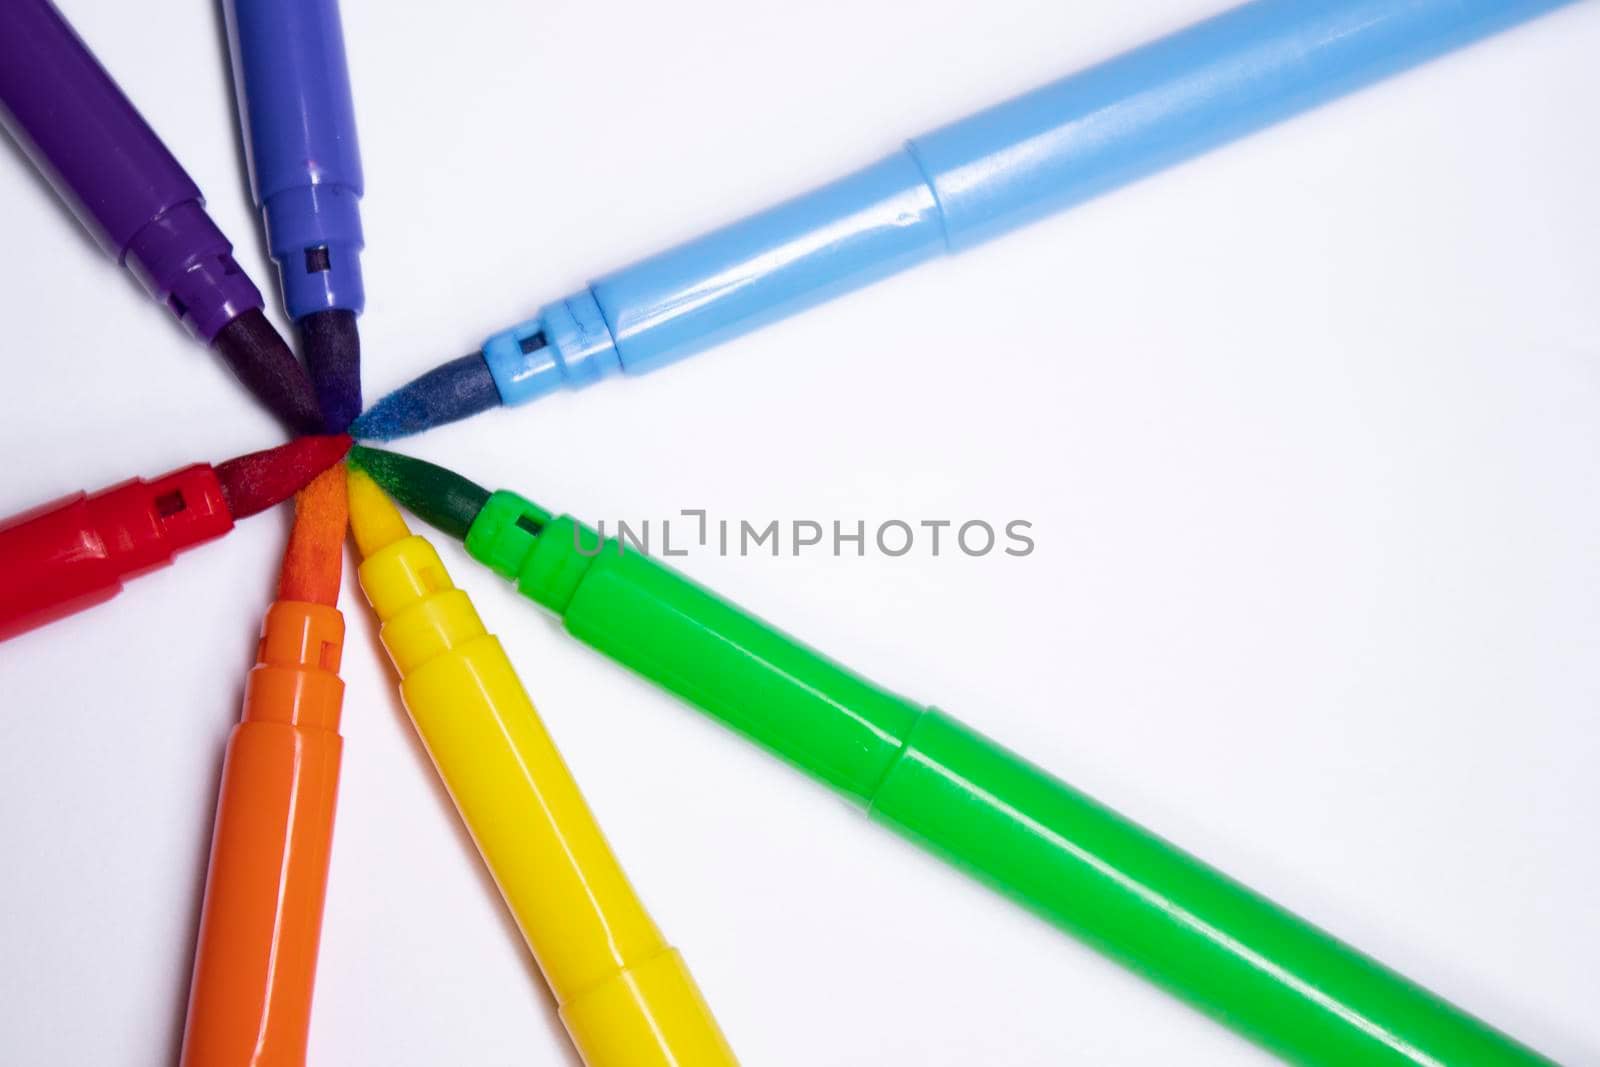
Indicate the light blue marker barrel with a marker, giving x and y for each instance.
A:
(1047, 150)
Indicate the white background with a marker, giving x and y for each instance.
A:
(1307, 430)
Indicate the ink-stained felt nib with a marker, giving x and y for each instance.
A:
(449, 392)
(262, 361)
(332, 347)
(255, 482)
(439, 497)
(315, 556)
(375, 523)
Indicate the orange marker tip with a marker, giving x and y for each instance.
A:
(314, 558)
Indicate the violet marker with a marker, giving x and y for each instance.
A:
(293, 86)
(130, 193)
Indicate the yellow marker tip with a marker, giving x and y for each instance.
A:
(374, 520)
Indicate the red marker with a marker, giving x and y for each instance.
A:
(76, 552)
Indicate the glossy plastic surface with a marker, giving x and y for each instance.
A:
(1228, 951)
(75, 552)
(256, 957)
(625, 996)
(113, 171)
(828, 721)
(293, 87)
(1056, 146)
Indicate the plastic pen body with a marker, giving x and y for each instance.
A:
(1232, 953)
(1047, 150)
(76, 552)
(625, 995)
(114, 172)
(305, 164)
(255, 961)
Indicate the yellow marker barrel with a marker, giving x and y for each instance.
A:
(625, 995)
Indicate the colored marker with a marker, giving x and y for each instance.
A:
(256, 958)
(1227, 950)
(626, 997)
(1039, 153)
(293, 86)
(76, 552)
(130, 194)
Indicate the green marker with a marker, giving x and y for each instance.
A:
(1225, 949)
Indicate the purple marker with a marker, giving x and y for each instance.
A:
(130, 193)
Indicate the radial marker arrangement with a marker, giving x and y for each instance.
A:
(625, 995)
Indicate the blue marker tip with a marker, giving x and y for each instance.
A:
(332, 347)
(447, 393)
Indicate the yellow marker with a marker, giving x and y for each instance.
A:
(625, 995)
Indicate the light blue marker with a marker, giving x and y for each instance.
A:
(1049, 149)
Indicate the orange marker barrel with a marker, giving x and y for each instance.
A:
(255, 963)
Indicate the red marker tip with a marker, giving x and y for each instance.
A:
(255, 482)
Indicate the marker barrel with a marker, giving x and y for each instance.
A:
(256, 958)
(293, 87)
(113, 171)
(1227, 950)
(1042, 152)
(624, 994)
(76, 552)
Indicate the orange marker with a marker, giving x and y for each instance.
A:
(250, 999)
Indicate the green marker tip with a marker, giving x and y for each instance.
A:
(439, 497)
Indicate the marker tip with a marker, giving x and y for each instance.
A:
(332, 346)
(448, 393)
(255, 482)
(263, 363)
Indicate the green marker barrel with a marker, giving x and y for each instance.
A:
(1227, 950)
